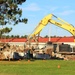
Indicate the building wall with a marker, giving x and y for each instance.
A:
(40, 45)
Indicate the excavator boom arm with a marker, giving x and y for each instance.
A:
(67, 27)
(48, 19)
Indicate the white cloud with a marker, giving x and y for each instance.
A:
(32, 7)
(50, 8)
(67, 12)
(53, 8)
(65, 7)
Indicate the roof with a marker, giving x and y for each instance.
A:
(57, 39)
(41, 39)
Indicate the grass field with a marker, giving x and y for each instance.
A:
(37, 67)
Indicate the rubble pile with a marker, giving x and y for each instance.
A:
(7, 51)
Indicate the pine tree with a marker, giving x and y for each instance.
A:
(10, 13)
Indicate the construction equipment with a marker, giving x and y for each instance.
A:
(49, 49)
(49, 19)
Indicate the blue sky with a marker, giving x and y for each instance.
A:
(35, 10)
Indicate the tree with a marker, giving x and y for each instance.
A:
(12, 36)
(46, 36)
(25, 36)
(17, 36)
(5, 30)
(10, 13)
(7, 36)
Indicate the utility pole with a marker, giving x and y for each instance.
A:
(50, 32)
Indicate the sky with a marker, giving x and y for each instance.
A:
(36, 10)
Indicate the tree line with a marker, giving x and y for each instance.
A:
(13, 36)
(25, 36)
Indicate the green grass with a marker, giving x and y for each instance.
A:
(37, 67)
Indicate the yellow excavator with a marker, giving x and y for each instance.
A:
(49, 19)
